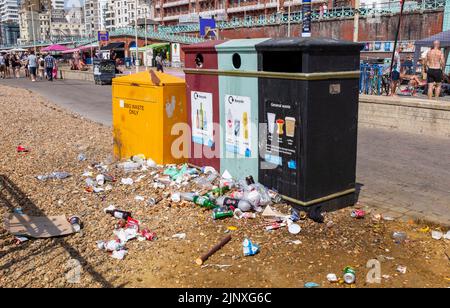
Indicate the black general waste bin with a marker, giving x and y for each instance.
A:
(308, 104)
(104, 71)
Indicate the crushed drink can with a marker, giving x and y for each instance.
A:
(358, 214)
(153, 201)
(275, 226)
(349, 275)
(149, 236)
(274, 196)
(75, 221)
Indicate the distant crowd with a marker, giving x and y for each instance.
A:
(28, 65)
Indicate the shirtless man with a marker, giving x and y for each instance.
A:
(435, 64)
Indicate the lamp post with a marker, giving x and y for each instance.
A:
(356, 22)
(136, 61)
(32, 25)
(289, 18)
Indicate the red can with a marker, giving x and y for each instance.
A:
(358, 214)
(149, 236)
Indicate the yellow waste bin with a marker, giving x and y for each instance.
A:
(145, 108)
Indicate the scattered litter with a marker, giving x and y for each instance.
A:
(127, 181)
(180, 236)
(315, 215)
(401, 269)
(18, 210)
(119, 254)
(349, 275)
(239, 214)
(81, 157)
(275, 226)
(399, 236)
(295, 242)
(311, 285)
(75, 221)
(249, 248)
(358, 214)
(38, 226)
(22, 149)
(200, 260)
(232, 228)
(269, 212)
(53, 175)
(425, 229)
(437, 235)
(221, 266)
(332, 277)
(294, 228)
(20, 239)
(139, 198)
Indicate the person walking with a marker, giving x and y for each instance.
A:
(49, 64)
(2, 66)
(41, 72)
(395, 77)
(159, 63)
(8, 66)
(435, 64)
(32, 65)
(15, 63)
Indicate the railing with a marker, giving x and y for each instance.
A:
(61, 41)
(296, 17)
(371, 79)
(162, 36)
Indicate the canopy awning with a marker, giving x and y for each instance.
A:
(55, 47)
(151, 46)
(81, 48)
(115, 46)
(443, 38)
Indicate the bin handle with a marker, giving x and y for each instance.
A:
(134, 84)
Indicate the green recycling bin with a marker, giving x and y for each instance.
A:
(238, 93)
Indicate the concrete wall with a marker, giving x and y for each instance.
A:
(431, 118)
(76, 75)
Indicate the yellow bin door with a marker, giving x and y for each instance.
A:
(145, 108)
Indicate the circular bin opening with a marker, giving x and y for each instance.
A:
(199, 60)
(236, 61)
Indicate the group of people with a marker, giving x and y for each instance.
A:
(433, 66)
(34, 66)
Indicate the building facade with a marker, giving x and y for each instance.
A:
(9, 22)
(187, 11)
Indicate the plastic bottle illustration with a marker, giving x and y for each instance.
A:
(245, 124)
(201, 116)
(230, 122)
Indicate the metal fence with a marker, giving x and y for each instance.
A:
(371, 80)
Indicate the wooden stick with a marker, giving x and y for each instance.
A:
(217, 247)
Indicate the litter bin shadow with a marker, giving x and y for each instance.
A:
(12, 197)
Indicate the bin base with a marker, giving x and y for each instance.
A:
(329, 205)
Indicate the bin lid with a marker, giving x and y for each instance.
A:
(240, 45)
(145, 79)
(305, 44)
(205, 46)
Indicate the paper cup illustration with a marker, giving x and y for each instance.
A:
(290, 126)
